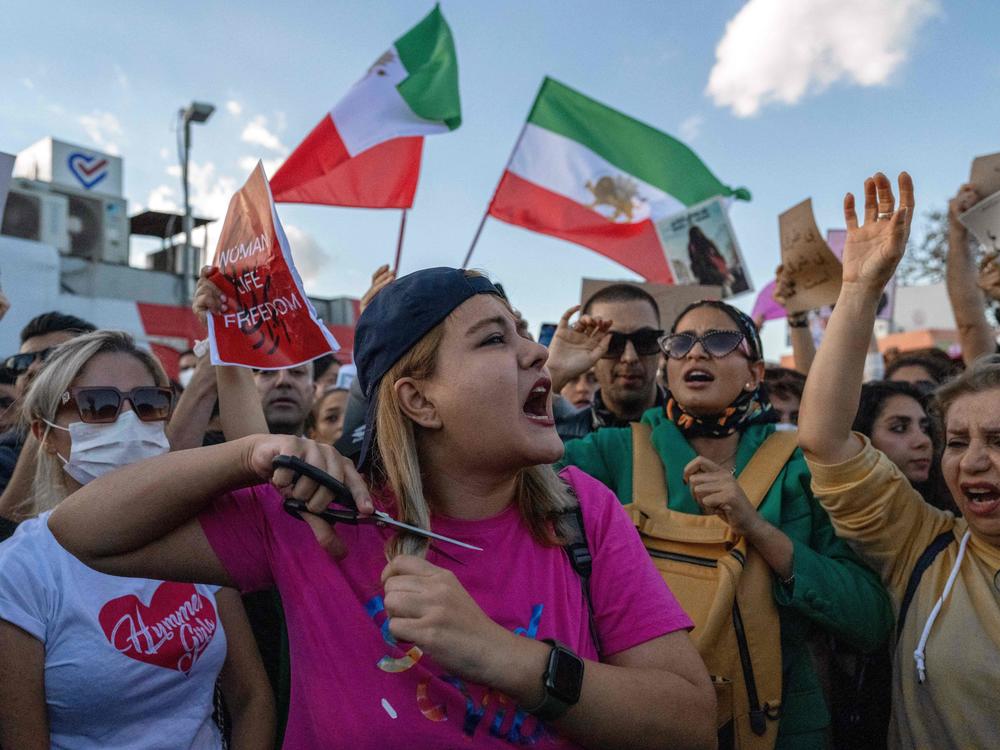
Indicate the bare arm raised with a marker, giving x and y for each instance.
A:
(871, 254)
(974, 332)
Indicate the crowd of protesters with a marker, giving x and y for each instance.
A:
(646, 536)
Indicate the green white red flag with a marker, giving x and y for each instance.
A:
(591, 175)
(366, 151)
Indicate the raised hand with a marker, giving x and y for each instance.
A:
(382, 277)
(989, 277)
(576, 348)
(208, 298)
(874, 249)
(965, 199)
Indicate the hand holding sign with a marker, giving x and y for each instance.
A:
(977, 205)
(810, 272)
(272, 324)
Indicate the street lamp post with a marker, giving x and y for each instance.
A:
(195, 112)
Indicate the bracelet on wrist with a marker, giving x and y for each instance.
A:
(798, 320)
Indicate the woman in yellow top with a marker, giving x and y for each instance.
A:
(941, 571)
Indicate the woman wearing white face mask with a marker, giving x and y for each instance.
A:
(89, 660)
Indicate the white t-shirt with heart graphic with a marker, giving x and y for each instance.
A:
(129, 662)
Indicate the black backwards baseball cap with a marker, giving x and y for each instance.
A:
(396, 319)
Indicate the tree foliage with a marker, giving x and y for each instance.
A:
(924, 262)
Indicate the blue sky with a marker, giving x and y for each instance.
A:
(888, 84)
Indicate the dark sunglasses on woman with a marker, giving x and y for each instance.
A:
(644, 340)
(103, 404)
(715, 343)
(18, 364)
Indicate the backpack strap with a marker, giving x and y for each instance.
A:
(580, 559)
(649, 483)
(766, 463)
(935, 548)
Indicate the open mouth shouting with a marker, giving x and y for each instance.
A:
(537, 407)
(981, 498)
(698, 378)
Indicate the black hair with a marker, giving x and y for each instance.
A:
(621, 293)
(322, 364)
(937, 363)
(744, 324)
(783, 382)
(54, 322)
(874, 396)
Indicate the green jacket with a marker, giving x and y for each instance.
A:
(833, 589)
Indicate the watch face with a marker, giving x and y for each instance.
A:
(567, 675)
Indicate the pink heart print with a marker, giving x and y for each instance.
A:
(173, 631)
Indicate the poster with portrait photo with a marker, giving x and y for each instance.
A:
(701, 248)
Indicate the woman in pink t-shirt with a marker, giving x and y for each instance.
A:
(446, 645)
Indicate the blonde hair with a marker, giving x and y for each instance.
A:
(983, 375)
(44, 398)
(541, 496)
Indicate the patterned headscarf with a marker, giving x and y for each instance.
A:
(750, 407)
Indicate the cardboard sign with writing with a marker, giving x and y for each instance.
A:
(810, 265)
(6, 168)
(985, 174)
(273, 325)
(670, 299)
(983, 220)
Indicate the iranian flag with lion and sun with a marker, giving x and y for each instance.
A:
(589, 174)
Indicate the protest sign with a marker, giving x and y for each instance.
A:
(271, 324)
(6, 168)
(985, 174)
(983, 220)
(670, 299)
(810, 267)
(701, 248)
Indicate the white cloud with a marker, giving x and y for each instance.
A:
(162, 198)
(256, 132)
(310, 258)
(234, 107)
(781, 50)
(247, 164)
(101, 127)
(690, 128)
(164, 153)
(121, 77)
(27, 83)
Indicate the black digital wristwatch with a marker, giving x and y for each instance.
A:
(561, 682)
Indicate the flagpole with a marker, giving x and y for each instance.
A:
(482, 223)
(479, 231)
(399, 242)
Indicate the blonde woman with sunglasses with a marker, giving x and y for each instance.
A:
(89, 660)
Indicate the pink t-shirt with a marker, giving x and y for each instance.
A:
(353, 686)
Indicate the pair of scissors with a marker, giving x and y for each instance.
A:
(348, 512)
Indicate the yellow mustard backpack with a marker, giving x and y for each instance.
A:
(725, 588)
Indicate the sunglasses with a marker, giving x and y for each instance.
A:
(715, 343)
(644, 340)
(103, 404)
(18, 364)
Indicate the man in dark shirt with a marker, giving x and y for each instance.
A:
(626, 372)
